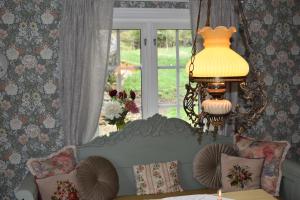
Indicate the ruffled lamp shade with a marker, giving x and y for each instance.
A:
(217, 60)
(217, 106)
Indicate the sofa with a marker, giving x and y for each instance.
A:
(157, 139)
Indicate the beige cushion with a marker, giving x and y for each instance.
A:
(63, 186)
(206, 165)
(240, 173)
(157, 178)
(97, 179)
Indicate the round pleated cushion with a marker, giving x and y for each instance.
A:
(207, 164)
(97, 179)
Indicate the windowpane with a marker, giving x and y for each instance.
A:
(167, 86)
(170, 112)
(166, 47)
(130, 45)
(172, 77)
(124, 73)
(185, 46)
(182, 82)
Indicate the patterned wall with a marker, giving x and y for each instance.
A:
(274, 27)
(29, 103)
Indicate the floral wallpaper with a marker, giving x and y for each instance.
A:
(274, 28)
(29, 103)
(29, 100)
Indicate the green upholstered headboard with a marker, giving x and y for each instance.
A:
(156, 139)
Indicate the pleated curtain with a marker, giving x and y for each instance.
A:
(85, 32)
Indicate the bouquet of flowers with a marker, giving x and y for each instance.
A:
(118, 107)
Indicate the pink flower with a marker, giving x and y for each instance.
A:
(19, 69)
(131, 107)
(275, 63)
(263, 33)
(23, 139)
(43, 138)
(54, 33)
(268, 152)
(282, 56)
(282, 116)
(40, 69)
(9, 173)
(56, 103)
(290, 63)
(3, 34)
(122, 95)
(5, 105)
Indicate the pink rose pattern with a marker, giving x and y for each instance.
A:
(274, 154)
(157, 178)
(239, 176)
(277, 56)
(62, 162)
(65, 190)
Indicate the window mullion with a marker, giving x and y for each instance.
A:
(177, 74)
(153, 81)
(144, 52)
(119, 76)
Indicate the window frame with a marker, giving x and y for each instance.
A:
(149, 20)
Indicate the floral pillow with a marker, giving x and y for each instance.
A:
(59, 187)
(274, 153)
(157, 178)
(240, 173)
(61, 162)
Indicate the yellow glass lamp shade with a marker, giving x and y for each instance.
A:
(217, 61)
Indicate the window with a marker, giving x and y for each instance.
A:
(124, 70)
(149, 50)
(173, 52)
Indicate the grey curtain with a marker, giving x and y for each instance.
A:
(84, 47)
(222, 14)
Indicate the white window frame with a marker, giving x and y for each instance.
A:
(148, 20)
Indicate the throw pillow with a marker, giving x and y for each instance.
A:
(97, 179)
(156, 178)
(61, 162)
(240, 173)
(274, 153)
(59, 187)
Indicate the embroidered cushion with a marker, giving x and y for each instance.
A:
(61, 162)
(97, 179)
(274, 153)
(240, 173)
(156, 178)
(59, 187)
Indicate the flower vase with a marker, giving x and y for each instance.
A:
(120, 125)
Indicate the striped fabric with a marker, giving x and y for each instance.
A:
(157, 178)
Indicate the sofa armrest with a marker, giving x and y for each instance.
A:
(27, 190)
(289, 188)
